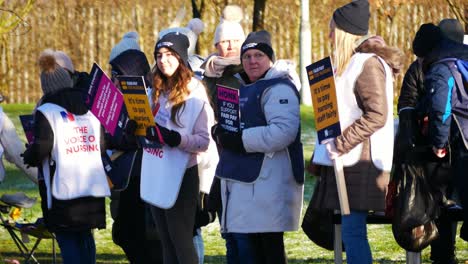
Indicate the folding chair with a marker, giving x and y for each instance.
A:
(10, 208)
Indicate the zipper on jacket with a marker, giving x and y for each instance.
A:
(225, 209)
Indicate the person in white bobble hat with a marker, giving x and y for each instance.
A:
(129, 42)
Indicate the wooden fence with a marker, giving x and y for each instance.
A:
(88, 31)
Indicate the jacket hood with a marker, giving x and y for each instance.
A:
(447, 48)
(284, 69)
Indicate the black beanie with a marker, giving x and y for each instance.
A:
(260, 40)
(427, 37)
(452, 29)
(353, 17)
(131, 62)
(176, 42)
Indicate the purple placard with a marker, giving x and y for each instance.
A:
(105, 99)
(228, 108)
(27, 122)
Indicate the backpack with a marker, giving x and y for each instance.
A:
(459, 70)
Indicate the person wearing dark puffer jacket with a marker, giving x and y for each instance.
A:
(72, 192)
(445, 136)
(413, 133)
(133, 229)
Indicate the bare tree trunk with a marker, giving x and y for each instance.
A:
(259, 15)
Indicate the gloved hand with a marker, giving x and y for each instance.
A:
(170, 137)
(227, 139)
(29, 157)
(406, 130)
(331, 150)
(130, 127)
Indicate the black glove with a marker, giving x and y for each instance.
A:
(30, 158)
(228, 140)
(407, 130)
(170, 137)
(130, 127)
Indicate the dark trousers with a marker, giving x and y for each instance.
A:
(443, 248)
(133, 229)
(175, 225)
(440, 176)
(269, 248)
(460, 167)
(76, 247)
(239, 248)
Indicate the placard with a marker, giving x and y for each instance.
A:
(106, 101)
(323, 91)
(27, 122)
(228, 108)
(136, 101)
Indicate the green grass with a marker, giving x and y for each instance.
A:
(299, 248)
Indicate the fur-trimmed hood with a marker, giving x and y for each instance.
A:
(394, 57)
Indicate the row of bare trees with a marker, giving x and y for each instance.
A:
(87, 30)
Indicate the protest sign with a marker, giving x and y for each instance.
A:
(27, 122)
(136, 101)
(106, 101)
(228, 108)
(322, 89)
(327, 120)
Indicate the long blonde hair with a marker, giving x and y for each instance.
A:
(176, 86)
(345, 45)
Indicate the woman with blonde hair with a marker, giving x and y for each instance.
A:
(364, 69)
(170, 175)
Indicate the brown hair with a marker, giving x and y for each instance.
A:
(176, 87)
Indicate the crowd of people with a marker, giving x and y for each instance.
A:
(252, 179)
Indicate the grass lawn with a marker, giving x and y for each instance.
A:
(299, 248)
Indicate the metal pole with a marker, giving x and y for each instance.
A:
(305, 52)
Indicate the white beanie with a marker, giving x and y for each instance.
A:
(194, 27)
(229, 27)
(129, 42)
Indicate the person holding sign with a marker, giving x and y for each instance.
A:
(67, 148)
(170, 175)
(364, 87)
(262, 167)
(133, 228)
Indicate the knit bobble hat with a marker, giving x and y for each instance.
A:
(427, 37)
(229, 27)
(194, 27)
(129, 41)
(53, 76)
(176, 42)
(260, 40)
(353, 17)
(452, 29)
(64, 60)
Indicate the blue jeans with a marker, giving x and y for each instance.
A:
(354, 230)
(199, 246)
(76, 247)
(239, 248)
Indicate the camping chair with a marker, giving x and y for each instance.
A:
(10, 210)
